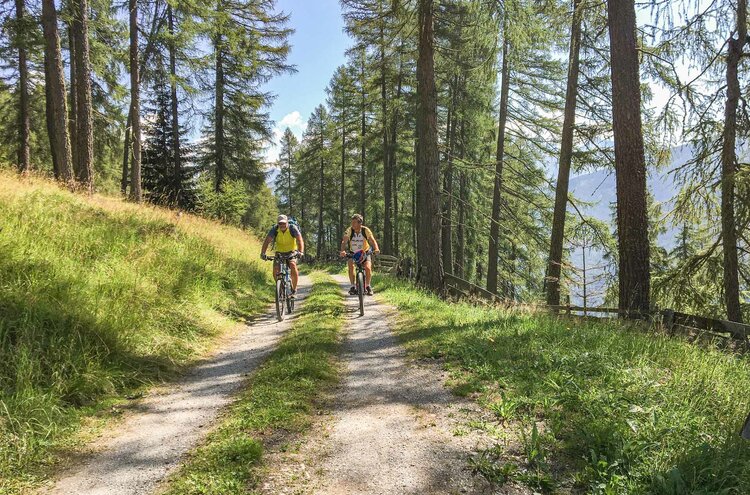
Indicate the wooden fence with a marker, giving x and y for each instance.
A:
(669, 319)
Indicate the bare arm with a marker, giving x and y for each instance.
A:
(265, 245)
(300, 244)
(374, 243)
(344, 243)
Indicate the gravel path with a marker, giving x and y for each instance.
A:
(151, 442)
(393, 425)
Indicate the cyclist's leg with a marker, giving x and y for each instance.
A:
(294, 273)
(351, 271)
(276, 269)
(368, 272)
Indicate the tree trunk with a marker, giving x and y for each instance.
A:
(428, 161)
(84, 111)
(73, 108)
(447, 234)
(57, 113)
(630, 167)
(340, 230)
(177, 179)
(135, 101)
(289, 180)
(497, 199)
(219, 115)
(127, 150)
(387, 171)
(363, 168)
(460, 255)
(393, 148)
(729, 169)
(24, 124)
(554, 268)
(321, 204)
(49, 118)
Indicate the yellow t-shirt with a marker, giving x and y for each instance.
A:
(284, 241)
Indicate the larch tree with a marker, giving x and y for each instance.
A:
(630, 166)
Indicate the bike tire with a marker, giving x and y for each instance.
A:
(361, 292)
(279, 300)
(289, 305)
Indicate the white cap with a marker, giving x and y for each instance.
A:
(281, 219)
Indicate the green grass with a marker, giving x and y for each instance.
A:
(595, 408)
(281, 397)
(99, 298)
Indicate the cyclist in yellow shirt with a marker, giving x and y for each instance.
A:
(287, 239)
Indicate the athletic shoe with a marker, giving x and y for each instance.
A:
(293, 294)
(353, 291)
(368, 290)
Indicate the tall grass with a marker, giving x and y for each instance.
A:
(596, 408)
(99, 297)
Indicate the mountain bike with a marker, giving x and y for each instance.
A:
(360, 277)
(283, 292)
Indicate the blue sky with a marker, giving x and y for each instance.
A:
(318, 47)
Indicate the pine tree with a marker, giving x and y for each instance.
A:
(250, 46)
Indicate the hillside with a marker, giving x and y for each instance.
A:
(98, 298)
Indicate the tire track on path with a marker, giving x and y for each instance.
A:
(393, 424)
(149, 445)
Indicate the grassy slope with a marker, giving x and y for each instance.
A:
(281, 396)
(616, 411)
(97, 298)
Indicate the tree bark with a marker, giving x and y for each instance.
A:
(321, 204)
(387, 171)
(126, 152)
(459, 262)
(57, 113)
(289, 179)
(393, 148)
(494, 245)
(219, 116)
(49, 119)
(136, 193)
(73, 108)
(554, 268)
(176, 156)
(24, 124)
(447, 234)
(363, 154)
(630, 165)
(729, 168)
(84, 112)
(340, 230)
(428, 162)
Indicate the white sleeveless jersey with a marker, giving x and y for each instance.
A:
(358, 240)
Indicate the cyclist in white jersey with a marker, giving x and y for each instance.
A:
(356, 238)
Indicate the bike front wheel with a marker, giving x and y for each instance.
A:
(361, 292)
(280, 299)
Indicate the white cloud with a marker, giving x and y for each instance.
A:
(295, 123)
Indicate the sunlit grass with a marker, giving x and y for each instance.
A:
(594, 406)
(97, 298)
(281, 396)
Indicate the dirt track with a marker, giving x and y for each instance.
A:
(151, 442)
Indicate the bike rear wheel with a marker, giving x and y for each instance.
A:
(361, 292)
(280, 299)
